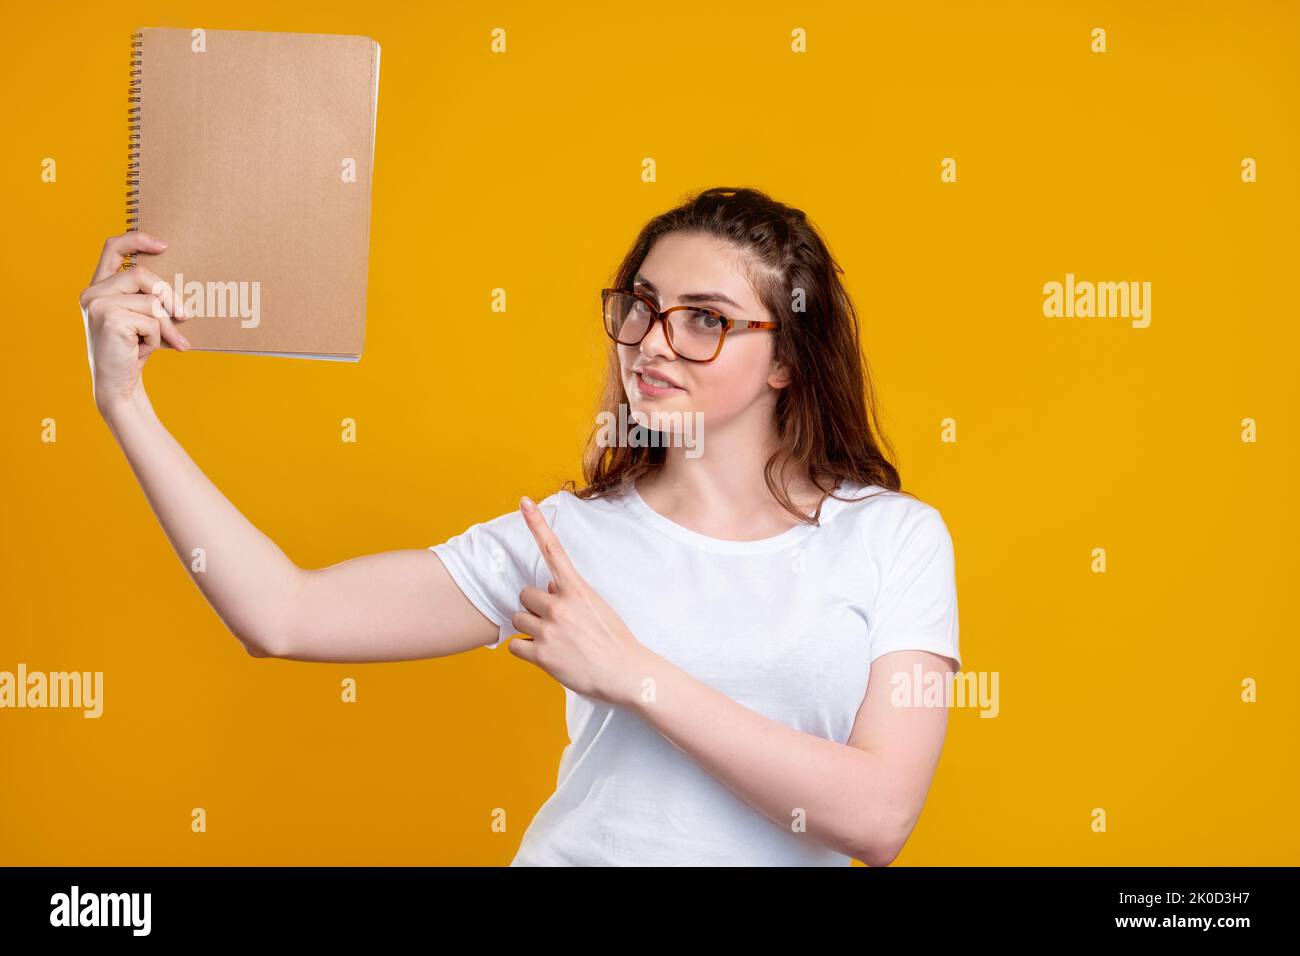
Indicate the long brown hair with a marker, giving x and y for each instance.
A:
(826, 415)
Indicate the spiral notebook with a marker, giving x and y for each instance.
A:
(251, 154)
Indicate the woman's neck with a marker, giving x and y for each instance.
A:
(723, 501)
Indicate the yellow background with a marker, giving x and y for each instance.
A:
(1118, 690)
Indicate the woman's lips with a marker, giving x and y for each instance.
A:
(654, 391)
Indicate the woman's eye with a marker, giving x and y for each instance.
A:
(706, 320)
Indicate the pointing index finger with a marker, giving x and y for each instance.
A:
(562, 570)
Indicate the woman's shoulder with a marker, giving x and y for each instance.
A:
(564, 500)
(885, 513)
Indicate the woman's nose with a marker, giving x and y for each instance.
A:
(656, 341)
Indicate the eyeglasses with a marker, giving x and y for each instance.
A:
(694, 333)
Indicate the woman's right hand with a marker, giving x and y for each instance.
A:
(128, 314)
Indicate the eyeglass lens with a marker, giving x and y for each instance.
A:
(694, 334)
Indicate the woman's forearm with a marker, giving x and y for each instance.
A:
(247, 579)
(838, 795)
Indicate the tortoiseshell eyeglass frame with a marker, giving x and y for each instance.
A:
(727, 323)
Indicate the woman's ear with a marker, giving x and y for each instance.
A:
(780, 376)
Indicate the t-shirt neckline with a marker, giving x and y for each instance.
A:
(722, 545)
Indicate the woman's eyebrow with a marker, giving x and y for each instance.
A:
(694, 296)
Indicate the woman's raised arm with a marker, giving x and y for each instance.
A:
(396, 605)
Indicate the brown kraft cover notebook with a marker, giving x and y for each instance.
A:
(251, 155)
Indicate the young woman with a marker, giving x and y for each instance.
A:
(740, 622)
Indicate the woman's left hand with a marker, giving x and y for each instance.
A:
(573, 634)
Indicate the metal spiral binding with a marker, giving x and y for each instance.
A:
(133, 141)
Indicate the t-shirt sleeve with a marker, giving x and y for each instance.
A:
(492, 561)
(916, 607)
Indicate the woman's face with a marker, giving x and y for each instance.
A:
(680, 265)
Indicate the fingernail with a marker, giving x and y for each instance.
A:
(161, 242)
(527, 503)
(184, 341)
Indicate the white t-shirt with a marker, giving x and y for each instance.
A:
(787, 626)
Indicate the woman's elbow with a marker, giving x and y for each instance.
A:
(884, 842)
(876, 853)
(879, 856)
(262, 646)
